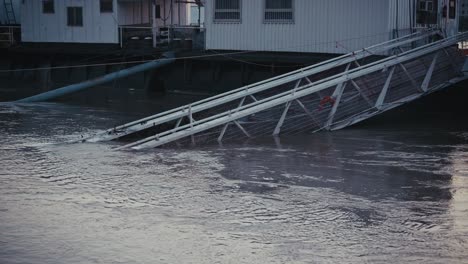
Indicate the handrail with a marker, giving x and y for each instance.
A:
(136, 27)
(299, 92)
(3, 26)
(278, 80)
(150, 27)
(10, 33)
(182, 26)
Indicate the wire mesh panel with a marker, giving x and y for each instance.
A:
(407, 82)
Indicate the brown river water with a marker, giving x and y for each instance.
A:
(389, 191)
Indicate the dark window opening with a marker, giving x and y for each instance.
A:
(227, 10)
(430, 6)
(75, 16)
(227, 4)
(158, 11)
(227, 16)
(279, 11)
(106, 6)
(427, 12)
(278, 4)
(48, 6)
(452, 9)
(422, 5)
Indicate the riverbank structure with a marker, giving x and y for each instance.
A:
(10, 12)
(101, 21)
(10, 18)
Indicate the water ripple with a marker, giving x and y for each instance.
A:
(322, 198)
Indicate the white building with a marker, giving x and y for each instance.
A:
(96, 21)
(318, 26)
(10, 12)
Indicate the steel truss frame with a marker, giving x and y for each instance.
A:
(302, 87)
(250, 90)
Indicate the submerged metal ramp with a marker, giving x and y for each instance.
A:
(327, 96)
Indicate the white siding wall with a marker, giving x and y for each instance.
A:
(97, 27)
(140, 12)
(402, 16)
(16, 7)
(135, 12)
(325, 26)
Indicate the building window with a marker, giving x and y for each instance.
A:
(427, 12)
(48, 6)
(430, 6)
(426, 5)
(279, 11)
(74, 16)
(106, 6)
(452, 9)
(227, 10)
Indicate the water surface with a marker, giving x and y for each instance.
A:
(372, 194)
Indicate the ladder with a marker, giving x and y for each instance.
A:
(327, 96)
(9, 12)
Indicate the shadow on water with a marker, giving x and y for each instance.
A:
(372, 165)
(443, 110)
(404, 154)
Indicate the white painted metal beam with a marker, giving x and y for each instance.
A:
(361, 92)
(242, 129)
(281, 120)
(337, 94)
(380, 100)
(428, 77)
(223, 131)
(311, 115)
(250, 90)
(302, 91)
(413, 82)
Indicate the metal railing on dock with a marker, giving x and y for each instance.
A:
(165, 36)
(326, 96)
(128, 33)
(9, 35)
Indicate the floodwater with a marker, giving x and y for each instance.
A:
(393, 193)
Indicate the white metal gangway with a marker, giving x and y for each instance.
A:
(329, 95)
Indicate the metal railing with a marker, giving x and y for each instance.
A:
(162, 36)
(309, 90)
(8, 34)
(330, 103)
(127, 33)
(314, 103)
(186, 36)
